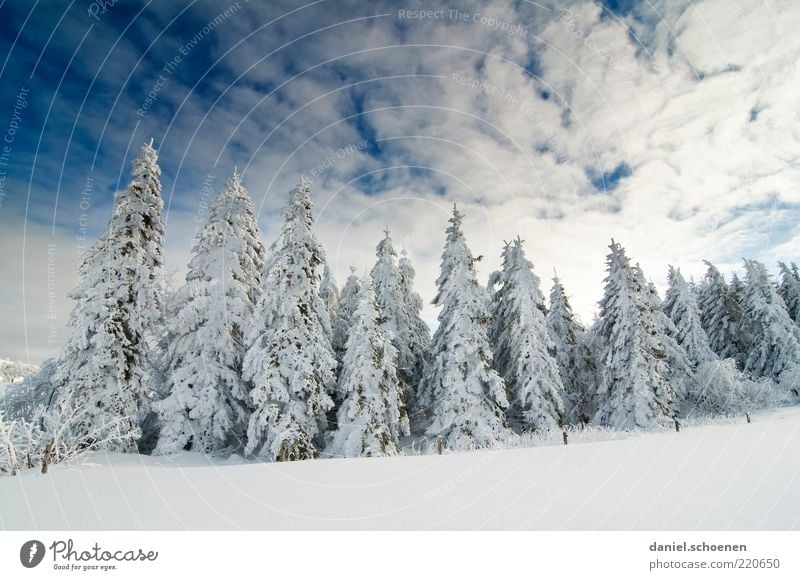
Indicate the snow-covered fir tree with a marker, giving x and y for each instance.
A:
(718, 385)
(414, 334)
(206, 408)
(399, 307)
(789, 290)
(574, 356)
(105, 368)
(721, 315)
(774, 344)
(523, 349)
(465, 394)
(680, 304)
(345, 307)
(639, 360)
(386, 280)
(329, 293)
(372, 415)
(290, 362)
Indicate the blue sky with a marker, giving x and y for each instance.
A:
(668, 125)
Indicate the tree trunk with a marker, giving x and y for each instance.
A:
(48, 451)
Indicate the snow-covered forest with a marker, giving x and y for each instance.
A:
(260, 353)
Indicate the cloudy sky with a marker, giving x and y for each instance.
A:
(669, 125)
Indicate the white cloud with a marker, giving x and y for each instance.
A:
(698, 100)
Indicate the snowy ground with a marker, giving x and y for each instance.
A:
(722, 476)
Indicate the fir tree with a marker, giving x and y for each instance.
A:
(789, 290)
(372, 415)
(399, 307)
(524, 350)
(289, 361)
(637, 356)
(105, 368)
(721, 316)
(774, 341)
(206, 409)
(386, 279)
(345, 307)
(414, 335)
(574, 356)
(329, 293)
(680, 305)
(465, 394)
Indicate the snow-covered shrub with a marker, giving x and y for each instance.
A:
(21, 400)
(719, 389)
(722, 389)
(789, 381)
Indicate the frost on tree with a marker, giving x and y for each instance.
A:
(415, 336)
(773, 346)
(721, 316)
(345, 307)
(206, 409)
(22, 400)
(104, 369)
(399, 307)
(680, 305)
(718, 385)
(329, 293)
(289, 361)
(789, 290)
(372, 416)
(465, 394)
(523, 353)
(386, 280)
(636, 355)
(574, 356)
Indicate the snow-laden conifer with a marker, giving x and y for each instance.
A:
(680, 304)
(718, 385)
(721, 315)
(399, 307)
(523, 348)
(464, 392)
(345, 307)
(414, 335)
(386, 280)
(574, 356)
(774, 344)
(372, 415)
(789, 290)
(105, 368)
(206, 408)
(329, 293)
(638, 359)
(289, 361)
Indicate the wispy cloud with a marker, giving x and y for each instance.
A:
(671, 126)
